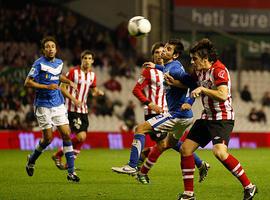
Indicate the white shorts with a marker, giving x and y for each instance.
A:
(48, 117)
(170, 124)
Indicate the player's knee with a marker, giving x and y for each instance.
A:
(141, 128)
(47, 140)
(185, 150)
(220, 153)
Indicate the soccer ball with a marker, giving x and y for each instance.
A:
(139, 26)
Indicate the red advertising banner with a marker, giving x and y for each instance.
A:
(113, 140)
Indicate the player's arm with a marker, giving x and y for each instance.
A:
(64, 79)
(30, 82)
(188, 101)
(137, 91)
(64, 90)
(219, 94)
(153, 65)
(96, 92)
(173, 82)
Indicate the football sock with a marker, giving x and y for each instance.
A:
(198, 161)
(59, 153)
(69, 154)
(136, 148)
(151, 159)
(188, 168)
(144, 154)
(38, 150)
(236, 169)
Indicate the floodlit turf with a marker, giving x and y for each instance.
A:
(99, 182)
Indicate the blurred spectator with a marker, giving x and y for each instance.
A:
(265, 58)
(253, 115)
(112, 84)
(261, 115)
(266, 99)
(246, 94)
(129, 115)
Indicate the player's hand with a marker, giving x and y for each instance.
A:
(197, 92)
(155, 108)
(77, 103)
(52, 87)
(73, 85)
(98, 92)
(173, 82)
(149, 64)
(186, 106)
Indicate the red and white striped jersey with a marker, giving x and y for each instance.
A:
(84, 82)
(149, 87)
(217, 75)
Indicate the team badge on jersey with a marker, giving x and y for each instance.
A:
(221, 74)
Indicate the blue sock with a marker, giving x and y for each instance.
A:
(136, 149)
(198, 161)
(38, 150)
(68, 151)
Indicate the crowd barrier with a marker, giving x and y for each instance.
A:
(112, 140)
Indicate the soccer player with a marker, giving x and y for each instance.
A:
(175, 121)
(216, 122)
(50, 110)
(76, 102)
(150, 91)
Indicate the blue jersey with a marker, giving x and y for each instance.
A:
(47, 72)
(176, 96)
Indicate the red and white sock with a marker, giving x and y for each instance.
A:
(151, 159)
(188, 168)
(233, 165)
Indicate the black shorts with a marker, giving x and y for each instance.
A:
(154, 135)
(78, 122)
(218, 131)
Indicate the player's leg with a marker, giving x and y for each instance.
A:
(152, 158)
(61, 121)
(68, 151)
(41, 146)
(198, 135)
(220, 150)
(44, 120)
(136, 149)
(202, 166)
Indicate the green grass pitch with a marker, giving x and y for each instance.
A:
(99, 182)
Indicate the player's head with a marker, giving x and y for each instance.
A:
(87, 59)
(156, 51)
(49, 47)
(203, 54)
(173, 50)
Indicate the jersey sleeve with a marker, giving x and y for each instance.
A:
(221, 76)
(142, 82)
(34, 71)
(159, 67)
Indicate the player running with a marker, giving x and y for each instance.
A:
(216, 122)
(50, 110)
(76, 102)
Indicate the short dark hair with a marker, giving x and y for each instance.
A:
(179, 47)
(156, 46)
(205, 49)
(46, 39)
(87, 52)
